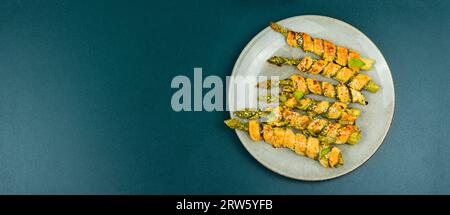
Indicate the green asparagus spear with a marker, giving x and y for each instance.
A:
(251, 113)
(311, 85)
(344, 75)
(327, 131)
(328, 156)
(324, 48)
(236, 124)
(278, 28)
(332, 110)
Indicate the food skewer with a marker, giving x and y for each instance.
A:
(328, 156)
(297, 83)
(342, 74)
(324, 48)
(325, 130)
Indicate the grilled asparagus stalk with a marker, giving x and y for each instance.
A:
(297, 83)
(325, 49)
(328, 156)
(325, 130)
(332, 110)
(342, 74)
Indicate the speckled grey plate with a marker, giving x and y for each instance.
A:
(374, 121)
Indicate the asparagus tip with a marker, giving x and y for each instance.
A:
(275, 60)
(278, 28)
(372, 87)
(230, 122)
(235, 124)
(274, 25)
(354, 138)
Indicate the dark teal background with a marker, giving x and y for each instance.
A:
(85, 97)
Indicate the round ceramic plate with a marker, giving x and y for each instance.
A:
(374, 121)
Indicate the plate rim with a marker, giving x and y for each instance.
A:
(251, 43)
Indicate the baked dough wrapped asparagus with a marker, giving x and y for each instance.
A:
(327, 50)
(331, 110)
(328, 156)
(297, 83)
(342, 74)
(325, 130)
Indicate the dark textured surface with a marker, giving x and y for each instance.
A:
(85, 97)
